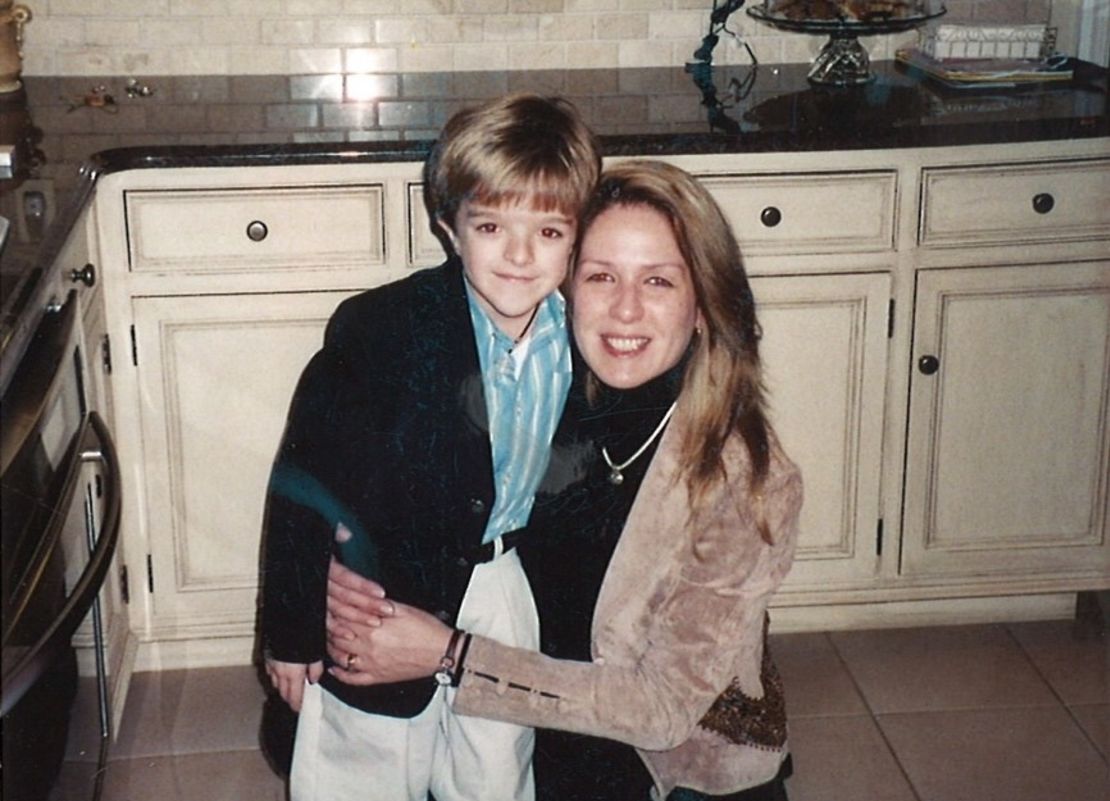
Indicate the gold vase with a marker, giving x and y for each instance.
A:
(12, 19)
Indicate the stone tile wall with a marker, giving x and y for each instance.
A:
(242, 37)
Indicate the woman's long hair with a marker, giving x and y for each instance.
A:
(722, 388)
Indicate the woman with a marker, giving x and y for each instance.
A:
(681, 572)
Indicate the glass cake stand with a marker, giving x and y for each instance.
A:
(843, 61)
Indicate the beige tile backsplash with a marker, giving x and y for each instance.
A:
(232, 37)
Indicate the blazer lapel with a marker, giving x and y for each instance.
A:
(447, 381)
(446, 352)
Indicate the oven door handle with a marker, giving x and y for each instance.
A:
(39, 656)
(38, 379)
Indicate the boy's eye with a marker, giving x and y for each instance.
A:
(551, 233)
(487, 227)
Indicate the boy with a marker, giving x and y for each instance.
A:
(422, 428)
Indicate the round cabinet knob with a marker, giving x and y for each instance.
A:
(770, 216)
(86, 275)
(257, 231)
(1043, 202)
(928, 364)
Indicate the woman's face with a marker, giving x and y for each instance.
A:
(634, 309)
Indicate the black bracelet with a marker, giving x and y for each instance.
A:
(461, 660)
(446, 673)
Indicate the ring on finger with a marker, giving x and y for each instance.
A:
(352, 660)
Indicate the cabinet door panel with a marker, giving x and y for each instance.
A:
(824, 350)
(216, 375)
(1008, 443)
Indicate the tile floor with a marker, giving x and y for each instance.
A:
(1017, 712)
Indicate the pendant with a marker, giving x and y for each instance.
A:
(615, 477)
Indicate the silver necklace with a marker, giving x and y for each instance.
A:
(615, 476)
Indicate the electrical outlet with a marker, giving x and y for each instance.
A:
(34, 208)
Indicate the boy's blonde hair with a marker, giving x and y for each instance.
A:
(517, 148)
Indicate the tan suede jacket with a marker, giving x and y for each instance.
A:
(680, 668)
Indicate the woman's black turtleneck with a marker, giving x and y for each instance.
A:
(573, 532)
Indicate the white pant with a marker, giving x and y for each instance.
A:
(344, 754)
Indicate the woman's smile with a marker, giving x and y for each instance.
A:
(625, 345)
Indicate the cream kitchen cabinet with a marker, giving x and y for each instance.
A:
(1009, 448)
(224, 280)
(922, 491)
(825, 347)
(216, 372)
(825, 350)
(215, 376)
(213, 371)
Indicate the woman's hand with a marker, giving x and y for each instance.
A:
(406, 645)
(374, 640)
(354, 599)
(288, 679)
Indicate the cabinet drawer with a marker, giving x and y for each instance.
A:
(770, 214)
(809, 212)
(1013, 204)
(243, 230)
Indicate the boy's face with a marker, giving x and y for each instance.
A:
(513, 255)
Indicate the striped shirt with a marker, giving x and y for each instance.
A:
(525, 388)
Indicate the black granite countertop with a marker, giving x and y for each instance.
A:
(297, 119)
(74, 129)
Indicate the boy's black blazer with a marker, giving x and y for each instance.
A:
(388, 434)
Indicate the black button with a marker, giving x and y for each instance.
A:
(477, 506)
(1043, 203)
(928, 365)
(770, 216)
(462, 561)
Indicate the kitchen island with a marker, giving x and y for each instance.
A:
(932, 267)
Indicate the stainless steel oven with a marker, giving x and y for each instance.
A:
(60, 485)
